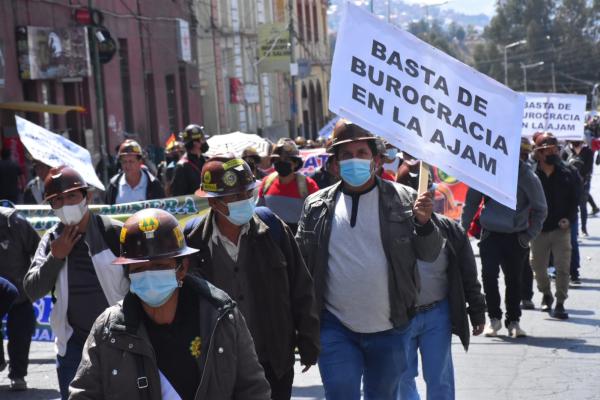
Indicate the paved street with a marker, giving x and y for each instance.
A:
(559, 359)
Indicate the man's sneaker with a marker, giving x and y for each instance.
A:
(491, 330)
(559, 312)
(547, 301)
(575, 281)
(514, 330)
(527, 305)
(595, 211)
(18, 384)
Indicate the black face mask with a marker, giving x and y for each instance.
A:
(204, 147)
(552, 159)
(283, 168)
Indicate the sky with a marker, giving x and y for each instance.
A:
(470, 7)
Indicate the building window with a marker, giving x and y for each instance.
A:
(307, 21)
(183, 93)
(126, 85)
(300, 23)
(316, 23)
(171, 102)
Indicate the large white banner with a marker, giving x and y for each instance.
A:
(55, 150)
(427, 103)
(561, 114)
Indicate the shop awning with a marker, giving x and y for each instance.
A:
(32, 106)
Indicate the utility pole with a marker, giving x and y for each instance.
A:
(292, 127)
(553, 78)
(99, 89)
(508, 46)
(525, 67)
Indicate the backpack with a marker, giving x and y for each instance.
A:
(300, 181)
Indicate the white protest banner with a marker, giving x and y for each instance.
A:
(561, 114)
(427, 103)
(55, 150)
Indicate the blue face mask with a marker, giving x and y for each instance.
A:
(391, 153)
(240, 211)
(355, 171)
(154, 287)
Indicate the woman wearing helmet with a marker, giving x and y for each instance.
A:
(174, 336)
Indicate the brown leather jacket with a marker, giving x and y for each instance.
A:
(118, 353)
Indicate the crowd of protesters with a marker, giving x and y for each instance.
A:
(351, 268)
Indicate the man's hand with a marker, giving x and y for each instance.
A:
(61, 247)
(478, 329)
(423, 208)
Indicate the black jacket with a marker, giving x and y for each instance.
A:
(18, 243)
(562, 190)
(463, 285)
(154, 190)
(187, 175)
(281, 284)
(118, 351)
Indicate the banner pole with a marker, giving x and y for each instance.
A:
(423, 177)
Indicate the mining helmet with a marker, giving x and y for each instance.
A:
(61, 180)
(174, 147)
(130, 147)
(225, 175)
(286, 148)
(544, 141)
(192, 132)
(250, 152)
(346, 132)
(151, 234)
(300, 141)
(525, 145)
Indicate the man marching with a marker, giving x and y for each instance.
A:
(252, 256)
(361, 239)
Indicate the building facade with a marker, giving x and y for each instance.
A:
(150, 84)
(245, 80)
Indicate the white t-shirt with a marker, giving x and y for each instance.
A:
(357, 290)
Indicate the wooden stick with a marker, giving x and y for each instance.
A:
(423, 177)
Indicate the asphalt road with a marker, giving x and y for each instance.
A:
(558, 359)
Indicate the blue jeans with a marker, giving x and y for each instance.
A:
(430, 333)
(347, 357)
(66, 366)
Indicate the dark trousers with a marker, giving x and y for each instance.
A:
(527, 278)
(281, 387)
(8, 294)
(583, 205)
(19, 327)
(575, 260)
(66, 366)
(502, 250)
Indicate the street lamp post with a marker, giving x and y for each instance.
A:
(525, 67)
(508, 46)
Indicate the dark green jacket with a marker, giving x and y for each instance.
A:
(280, 284)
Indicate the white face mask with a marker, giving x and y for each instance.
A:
(72, 215)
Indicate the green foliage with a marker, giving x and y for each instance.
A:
(563, 34)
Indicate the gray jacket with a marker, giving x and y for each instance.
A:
(18, 242)
(118, 352)
(527, 219)
(403, 242)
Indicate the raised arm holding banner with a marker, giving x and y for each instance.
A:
(425, 102)
(55, 150)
